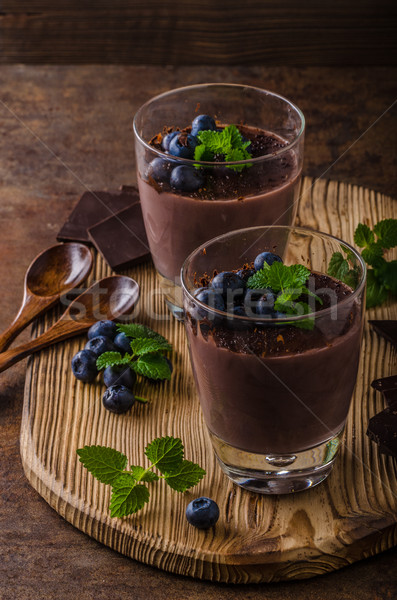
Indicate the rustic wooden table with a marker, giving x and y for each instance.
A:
(66, 129)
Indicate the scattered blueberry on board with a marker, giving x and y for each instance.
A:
(202, 513)
(119, 376)
(105, 328)
(118, 399)
(84, 366)
(122, 342)
(100, 344)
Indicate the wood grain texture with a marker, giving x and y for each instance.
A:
(352, 515)
(185, 32)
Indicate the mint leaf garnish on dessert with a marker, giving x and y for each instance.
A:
(382, 277)
(227, 143)
(289, 282)
(145, 353)
(129, 492)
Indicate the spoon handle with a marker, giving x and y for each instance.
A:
(61, 330)
(32, 307)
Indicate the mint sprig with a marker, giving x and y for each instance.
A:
(382, 277)
(289, 283)
(227, 144)
(129, 492)
(146, 356)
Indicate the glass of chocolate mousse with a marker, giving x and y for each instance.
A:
(212, 158)
(274, 344)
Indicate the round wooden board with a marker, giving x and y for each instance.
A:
(350, 516)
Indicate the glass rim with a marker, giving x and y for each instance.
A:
(263, 320)
(189, 161)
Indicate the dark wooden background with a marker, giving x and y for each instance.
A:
(187, 32)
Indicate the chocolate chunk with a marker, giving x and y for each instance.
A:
(382, 429)
(121, 239)
(387, 329)
(385, 383)
(92, 208)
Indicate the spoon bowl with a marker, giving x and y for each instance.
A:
(109, 298)
(52, 273)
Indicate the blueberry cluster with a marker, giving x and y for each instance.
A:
(103, 337)
(183, 178)
(228, 292)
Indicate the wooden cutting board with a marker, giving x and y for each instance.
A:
(352, 515)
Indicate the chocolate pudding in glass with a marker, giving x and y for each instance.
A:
(206, 198)
(274, 387)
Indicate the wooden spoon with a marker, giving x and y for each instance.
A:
(108, 298)
(52, 273)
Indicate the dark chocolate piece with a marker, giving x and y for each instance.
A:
(387, 329)
(92, 208)
(121, 239)
(385, 383)
(382, 429)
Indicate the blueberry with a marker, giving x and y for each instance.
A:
(186, 179)
(230, 285)
(211, 297)
(203, 123)
(159, 170)
(106, 328)
(118, 399)
(183, 145)
(265, 257)
(251, 299)
(202, 513)
(245, 274)
(119, 376)
(100, 344)
(84, 365)
(167, 140)
(123, 342)
(265, 303)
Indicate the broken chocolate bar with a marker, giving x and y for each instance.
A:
(121, 239)
(387, 329)
(382, 429)
(92, 208)
(388, 387)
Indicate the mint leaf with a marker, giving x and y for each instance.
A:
(212, 140)
(141, 346)
(104, 463)
(202, 153)
(387, 273)
(227, 143)
(338, 266)
(280, 277)
(373, 255)
(300, 273)
(112, 359)
(185, 476)
(166, 453)
(363, 236)
(136, 330)
(376, 292)
(141, 474)
(153, 366)
(386, 231)
(128, 496)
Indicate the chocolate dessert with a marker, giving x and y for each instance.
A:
(185, 205)
(266, 384)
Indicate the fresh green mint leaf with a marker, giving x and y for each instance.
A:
(104, 463)
(212, 140)
(363, 236)
(112, 359)
(373, 255)
(280, 277)
(376, 291)
(141, 474)
(351, 278)
(386, 231)
(136, 330)
(300, 273)
(166, 453)
(387, 273)
(338, 266)
(202, 153)
(227, 143)
(141, 346)
(305, 323)
(128, 496)
(185, 476)
(153, 366)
